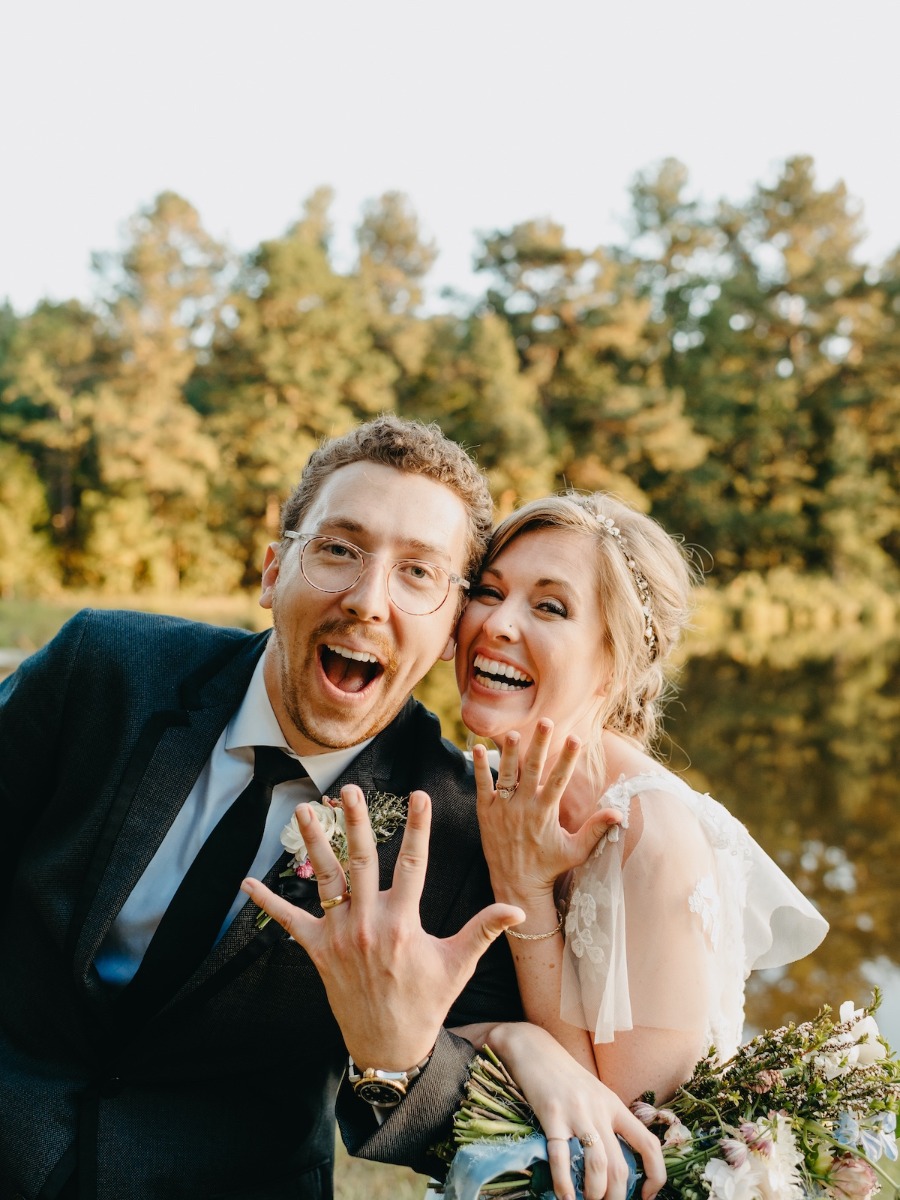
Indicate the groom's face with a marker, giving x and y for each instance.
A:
(340, 665)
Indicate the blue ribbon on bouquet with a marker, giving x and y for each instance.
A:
(478, 1163)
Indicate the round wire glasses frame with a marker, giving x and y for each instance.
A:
(415, 586)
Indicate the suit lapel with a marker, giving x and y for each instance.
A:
(166, 760)
(400, 758)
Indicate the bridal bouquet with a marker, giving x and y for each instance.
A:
(798, 1113)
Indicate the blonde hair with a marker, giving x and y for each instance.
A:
(644, 584)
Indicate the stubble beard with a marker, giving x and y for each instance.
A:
(292, 688)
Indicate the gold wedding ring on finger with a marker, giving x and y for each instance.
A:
(334, 901)
(588, 1139)
(507, 793)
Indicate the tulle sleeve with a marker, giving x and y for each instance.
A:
(664, 936)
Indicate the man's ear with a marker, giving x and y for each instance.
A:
(270, 574)
(449, 650)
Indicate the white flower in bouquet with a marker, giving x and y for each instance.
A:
(864, 1039)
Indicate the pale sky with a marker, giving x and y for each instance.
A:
(485, 113)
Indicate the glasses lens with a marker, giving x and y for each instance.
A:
(418, 587)
(330, 564)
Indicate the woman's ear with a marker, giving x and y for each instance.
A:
(269, 575)
(449, 650)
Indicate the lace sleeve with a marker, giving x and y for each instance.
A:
(595, 992)
(666, 938)
(640, 933)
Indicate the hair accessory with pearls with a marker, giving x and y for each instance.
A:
(643, 587)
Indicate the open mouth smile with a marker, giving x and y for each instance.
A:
(350, 671)
(499, 676)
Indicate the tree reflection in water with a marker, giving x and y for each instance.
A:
(808, 757)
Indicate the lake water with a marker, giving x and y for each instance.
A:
(807, 755)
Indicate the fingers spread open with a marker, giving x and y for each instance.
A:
(299, 924)
(508, 771)
(409, 872)
(484, 780)
(585, 839)
(561, 770)
(536, 756)
(361, 850)
(477, 934)
(329, 872)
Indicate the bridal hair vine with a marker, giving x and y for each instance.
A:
(643, 587)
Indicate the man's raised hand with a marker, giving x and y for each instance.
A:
(389, 983)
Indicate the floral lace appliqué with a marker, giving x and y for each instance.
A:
(585, 939)
(704, 900)
(617, 796)
(724, 831)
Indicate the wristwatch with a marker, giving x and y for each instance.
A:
(384, 1088)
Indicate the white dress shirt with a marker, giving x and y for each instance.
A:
(227, 772)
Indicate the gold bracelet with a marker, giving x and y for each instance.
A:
(536, 937)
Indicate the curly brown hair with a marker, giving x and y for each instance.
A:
(407, 446)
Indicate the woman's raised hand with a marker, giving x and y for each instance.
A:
(526, 846)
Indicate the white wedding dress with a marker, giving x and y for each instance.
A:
(666, 937)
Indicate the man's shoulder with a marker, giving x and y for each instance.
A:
(125, 633)
(126, 623)
(121, 644)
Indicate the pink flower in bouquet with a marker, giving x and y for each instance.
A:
(851, 1179)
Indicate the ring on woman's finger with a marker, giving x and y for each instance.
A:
(556, 1139)
(588, 1139)
(334, 901)
(507, 793)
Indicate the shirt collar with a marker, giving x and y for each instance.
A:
(255, 724)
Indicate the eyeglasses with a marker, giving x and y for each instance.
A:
(332, 565)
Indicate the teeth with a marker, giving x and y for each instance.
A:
(497, 685)
(358, 655)
(499, 671)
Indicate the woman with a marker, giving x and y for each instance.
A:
(645, 937)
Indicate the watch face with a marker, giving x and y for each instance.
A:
(377, 1091)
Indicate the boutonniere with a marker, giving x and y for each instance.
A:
(386, 814)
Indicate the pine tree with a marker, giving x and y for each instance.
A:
(297, 362)
(471, 384)
(147, 516)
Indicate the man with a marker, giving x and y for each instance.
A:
(133, 1067)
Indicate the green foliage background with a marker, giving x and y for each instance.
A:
(731, 369)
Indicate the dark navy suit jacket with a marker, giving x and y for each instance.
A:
(230, 1090)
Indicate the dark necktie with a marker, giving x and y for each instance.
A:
(189, 926)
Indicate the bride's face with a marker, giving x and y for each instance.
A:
(531, 638)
